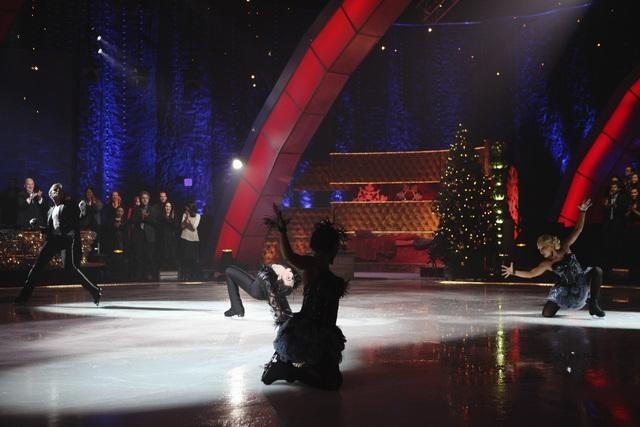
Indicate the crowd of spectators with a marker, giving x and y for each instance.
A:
(621, 223)
(136, 241)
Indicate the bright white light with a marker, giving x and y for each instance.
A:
(237, 379)
(100, 51)
(99, 38)
(237, 164)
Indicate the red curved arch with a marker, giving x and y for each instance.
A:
(334, 46)
(612, 147)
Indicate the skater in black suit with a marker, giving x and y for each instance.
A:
(62, 236)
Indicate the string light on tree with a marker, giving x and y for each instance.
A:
(463, 206)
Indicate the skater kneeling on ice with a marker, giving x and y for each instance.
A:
(576, 285)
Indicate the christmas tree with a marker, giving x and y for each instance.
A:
(463, 206)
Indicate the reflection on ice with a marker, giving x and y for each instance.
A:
(157, 351)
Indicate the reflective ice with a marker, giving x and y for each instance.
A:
(418, 353)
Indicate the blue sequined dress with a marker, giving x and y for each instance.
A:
(572, 288)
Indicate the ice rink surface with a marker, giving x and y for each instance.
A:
(418, 353)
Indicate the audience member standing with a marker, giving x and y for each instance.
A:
(633, 235)
(169, 226)
(189, 243)
(108, 215)
(163, 198)
(626, 179)
(115, 202)
(615, 204)
(132, 256)
(30, 205)
(115, 243)
(135, 203)
(112, 230)
(633, 181)
(144, 220)
(93, 218)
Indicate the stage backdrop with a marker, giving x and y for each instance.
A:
(178, 84)
(36, 131)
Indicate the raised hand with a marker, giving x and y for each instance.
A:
(586, 204)
(507, 270)
(277, 221)
(281, 222)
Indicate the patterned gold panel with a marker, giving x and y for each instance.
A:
(390, 167)
(20, 248)
(395, 217)
(315, 177)
(300, 229)
(271, 252)
(303, 220)
(348, 171)
(380, 218)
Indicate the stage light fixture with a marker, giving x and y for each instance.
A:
(99, 38)
(237, 164)
(100, 51)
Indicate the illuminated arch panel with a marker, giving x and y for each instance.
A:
(613, 145)
(337, 42)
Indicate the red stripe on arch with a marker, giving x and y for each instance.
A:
(611, 143)
(335, 45)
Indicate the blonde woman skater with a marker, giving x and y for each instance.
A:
(576, 286)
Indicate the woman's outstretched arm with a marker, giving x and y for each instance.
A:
(573, 236)
(299, 261)
(534, 272)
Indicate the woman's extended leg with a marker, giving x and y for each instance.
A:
(238, 278)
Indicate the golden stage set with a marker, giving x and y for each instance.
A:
(19, 248)
(388, 212)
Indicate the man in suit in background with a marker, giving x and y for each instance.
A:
(62, 236)
(145, 220)
(30, 206)
(616, 205)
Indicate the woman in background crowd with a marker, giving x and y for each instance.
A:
(116, 244)
(168, 227)
(93, 217)
(189, 243)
